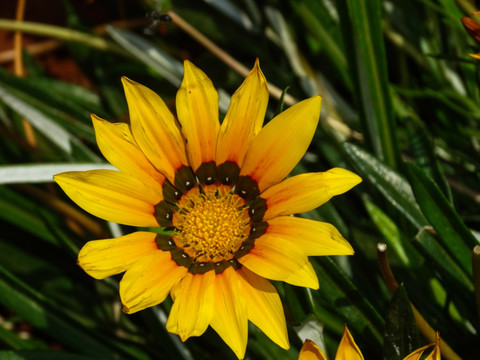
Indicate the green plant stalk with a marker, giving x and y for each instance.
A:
(62, 33)
(425, 329)
(476, 275)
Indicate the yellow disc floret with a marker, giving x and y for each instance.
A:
(211, 226)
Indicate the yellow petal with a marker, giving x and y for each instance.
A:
(278, 259)
(347, 349)
(310, 351)
(264, 306)
(314, 238)
(155, 129)
(306, 192)
(104, 258)
(434, 355)
(230, 319)
(193, 307)
(149, 280)
(111, 195)
(117, 144)
(244, 118)
(197, 110)
(281, 143)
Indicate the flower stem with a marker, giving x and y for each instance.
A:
(20, 70)
(424, 327)
(224, 56)
(476, 275)
(61, 33)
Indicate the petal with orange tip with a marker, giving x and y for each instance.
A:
(244, 118)
(434, 355)
(155, 129)
(197, 110)
(472, 27)
(348, 349)
(310, 351)
(281, 143)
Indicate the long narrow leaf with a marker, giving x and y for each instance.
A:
(362, 33)
(43, 124)
(442, 216)
(32, 173)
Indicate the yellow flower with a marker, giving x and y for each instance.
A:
(348, 350)
(219, 189)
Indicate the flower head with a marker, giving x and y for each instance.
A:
(348, 350)
(219, 192)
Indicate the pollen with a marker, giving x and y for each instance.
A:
(211, 226)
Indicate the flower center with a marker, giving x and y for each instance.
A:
(211, 226)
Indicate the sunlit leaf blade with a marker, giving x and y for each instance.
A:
(42, 123)
(394, 187)
(31, 173)
(399, 193)
(311, 329)
(392, 236)
(455, 236)
(401, 332)
(171, 69)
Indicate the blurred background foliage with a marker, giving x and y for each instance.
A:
(400, 107)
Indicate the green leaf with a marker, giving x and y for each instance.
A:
(423, 150)
(360, 21)
(33, 173)
(14, 341)
(451, 230)
(337, 291)
(43, 355)
(399, 193)
(401, 332)
(392, 236)
(42, 123)
(311, 329)
(31, 306)
(392, 186)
